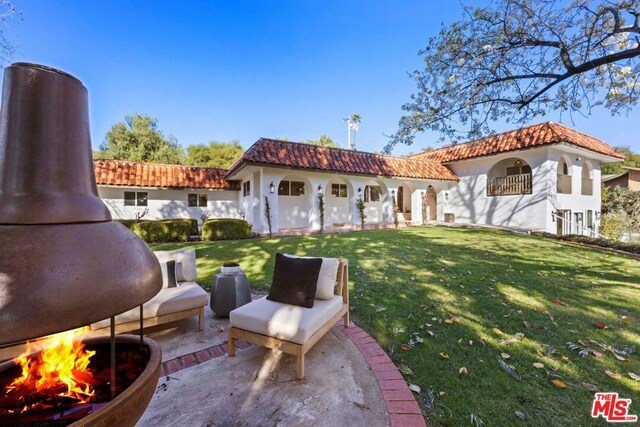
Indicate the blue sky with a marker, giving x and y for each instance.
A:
(244, 69)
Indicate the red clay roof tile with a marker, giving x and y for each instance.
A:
(328, 159)
(138, 174)
(527, 137)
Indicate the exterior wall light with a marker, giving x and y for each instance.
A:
(320, 192)
(359, 191)
(446, 195)
(597, 215)
(393, 193)
(553, 216)
(272, 188)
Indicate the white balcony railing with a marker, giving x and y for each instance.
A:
(587, 187)
(564, 184)
(509, 185)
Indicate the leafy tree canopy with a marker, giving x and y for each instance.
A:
(138, 139)
(215, 155)
(324, 141)
(632, 159)
(516, 60)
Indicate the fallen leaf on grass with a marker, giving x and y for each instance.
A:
(498, 331)
(378, 310)
(398, 330)
(442, 393)
(462, 371)
(521, 415)
(620, 358)
(589, 387)
(454, 319)
(509, 369)
(624, 319)
(475, 420)
(481, 342)
(505, 355)
(634, 376)
(564, 358)
(414, 388)
(558, 302)
(526, 324)
(444, 355)
(405, 346)
(559, 383)
(538, 365)
(431, 334)
(403, 296)
(508, 341)
(600, 325)
(614, 375)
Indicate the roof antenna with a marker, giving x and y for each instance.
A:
(353, 123)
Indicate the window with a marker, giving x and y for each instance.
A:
(246, 188)
(372, 193)
(197, 200)
(291, 188)
(136, 198)
(590, 219)
(339, 190)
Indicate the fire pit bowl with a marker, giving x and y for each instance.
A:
(124, 410)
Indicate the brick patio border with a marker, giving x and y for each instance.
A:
(401, 405)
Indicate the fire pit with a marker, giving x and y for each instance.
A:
(65, 264)
(58, 404)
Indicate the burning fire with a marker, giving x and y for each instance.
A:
(60, 369)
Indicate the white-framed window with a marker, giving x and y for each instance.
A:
(195, 200)
(372, 193)
(136, 198)
(339, 190)
(246, 188)
(590, 219)
(291, 188)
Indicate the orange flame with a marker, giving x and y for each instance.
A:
(59, 369)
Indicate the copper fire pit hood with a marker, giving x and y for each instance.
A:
(63, 262)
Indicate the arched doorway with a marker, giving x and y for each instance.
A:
(294, 202)
(431, 200)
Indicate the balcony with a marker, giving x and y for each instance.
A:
(564, 184)
(509, 185)
(587, 187)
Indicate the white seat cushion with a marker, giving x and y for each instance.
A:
(169, 300)
(285, 321)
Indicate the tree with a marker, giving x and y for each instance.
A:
(214, 155)
(138, 139)
(519, 59)
(8, 13)
(632, 159)
(324, 141)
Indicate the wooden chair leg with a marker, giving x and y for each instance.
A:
(201, 320)
(231, 345)
(300, 364)
(346, 319)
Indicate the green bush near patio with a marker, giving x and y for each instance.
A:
(440, 299)
(225, 229)
(166, 230)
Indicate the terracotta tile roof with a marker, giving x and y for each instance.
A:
(138, 174)
(271, 152)
(527, 137)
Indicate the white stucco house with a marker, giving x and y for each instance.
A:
(542, 177)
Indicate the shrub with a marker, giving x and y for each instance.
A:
(225, 229)
(595, 241)
(166, 230)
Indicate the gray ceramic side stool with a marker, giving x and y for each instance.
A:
(229, 293)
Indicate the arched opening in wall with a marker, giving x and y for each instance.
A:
(294, 202)
(373, 195)
(338, 209)
(564, 175)
(431, 201)
(509, 177)
(586, 188)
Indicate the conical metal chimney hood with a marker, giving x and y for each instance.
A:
(63, 262)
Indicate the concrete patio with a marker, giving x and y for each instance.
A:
(349, 380)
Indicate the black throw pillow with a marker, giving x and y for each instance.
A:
(295, 280)
(170, 271)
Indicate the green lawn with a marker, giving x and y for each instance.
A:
(441, 299)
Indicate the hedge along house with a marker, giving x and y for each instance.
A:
(541, 177)
(156, 191)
